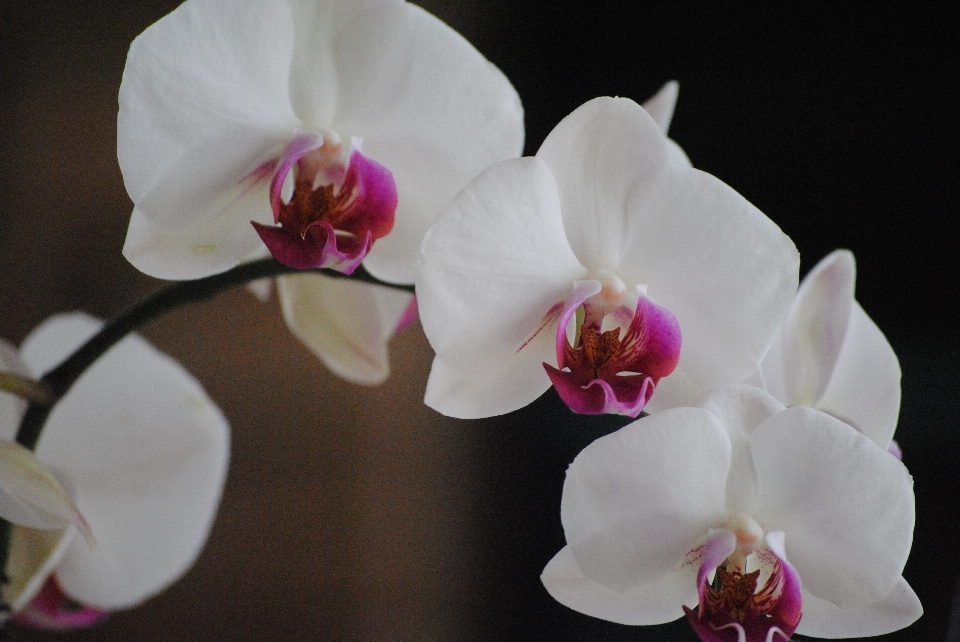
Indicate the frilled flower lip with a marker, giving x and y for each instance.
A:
(740, 611)
(334, 223)
(617, 370)
(601, 194)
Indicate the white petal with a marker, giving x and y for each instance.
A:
(661, 106)
(816, 327)
(345, 323)
(146, 451)
(656, 602)
(599, 154)
(864, 390)
(723, 268)
(31, 496)
(741, 409)
(210, 245)
(636, 501)
(493, 266)
(203, 102)
(11, 406)
(516, 384)
(846, 505)
(896, 611)
(430, 108)
(34, 554)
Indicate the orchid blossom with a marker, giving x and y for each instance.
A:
(314, 121)
(831, 356)
(759, 521)
(143, 452)
(582, 266)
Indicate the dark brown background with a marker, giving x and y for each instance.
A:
(358, 514)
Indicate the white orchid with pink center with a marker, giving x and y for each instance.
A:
(338, 128)
(756, 520)
(142, 452)
(831, 356)
(582, 267)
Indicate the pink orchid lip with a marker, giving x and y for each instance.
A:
(335, 213)
(739, 612)
(52, 610)
(614, 371)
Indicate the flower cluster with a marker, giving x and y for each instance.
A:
(760, 492)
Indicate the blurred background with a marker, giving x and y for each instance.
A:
(356, 513)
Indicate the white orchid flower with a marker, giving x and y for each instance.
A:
(250, 111)
(582, 266)
(772, 520)
(143, 452)
(831, 356)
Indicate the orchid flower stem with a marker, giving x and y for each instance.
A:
(59, 380)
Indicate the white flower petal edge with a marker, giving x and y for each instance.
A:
(822, 619)
(661, 107)
(346, 324)
(831, 356)
(213, 93)
(145, 452)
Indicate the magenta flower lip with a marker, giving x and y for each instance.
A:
(332, 224)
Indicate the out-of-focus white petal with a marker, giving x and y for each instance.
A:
(846, 504)
(11, 406)
(31, 496)
(741, 409)
(661, 105)
(636, 501)
(864, 390)
(898, 610)
(816, 327)
(203, 102)
(429, 107)
(146, 451)
(601, 154)
(345, 323)
(33, 556)
(724, 269)
(494, 264)
(653, 603)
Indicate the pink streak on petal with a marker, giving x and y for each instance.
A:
(625, 395)
(52, 610)
(301, 143)
(409, 316)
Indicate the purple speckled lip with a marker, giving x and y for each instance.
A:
(335, 223)
(52, 610)
(591, 378)
(738, 611)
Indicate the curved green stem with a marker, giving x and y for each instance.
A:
(59, 380)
